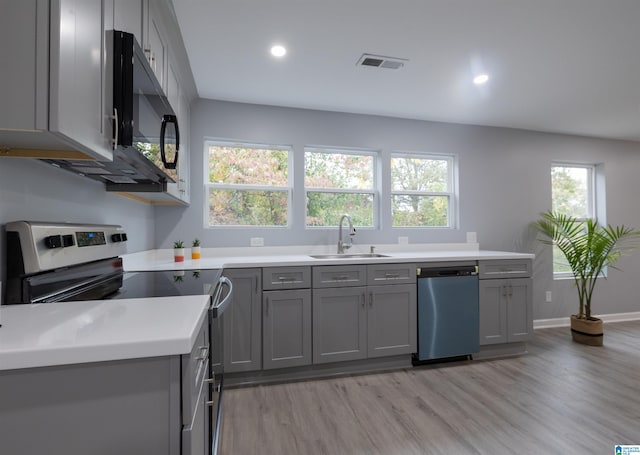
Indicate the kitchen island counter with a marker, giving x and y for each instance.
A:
(49, 334)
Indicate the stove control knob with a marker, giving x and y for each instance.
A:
(67, 240)
(53, 241)
(116, 238)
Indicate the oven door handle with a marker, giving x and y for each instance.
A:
(218, 306)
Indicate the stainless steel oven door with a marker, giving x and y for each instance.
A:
(222, 298)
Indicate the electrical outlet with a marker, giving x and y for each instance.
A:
(403, 240)
(257, 241)
(471, 237)
(548, 297)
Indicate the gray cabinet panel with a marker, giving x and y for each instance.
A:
(242, 322)
(286, 278)
(493, 312)
(339, 324)
(505, 310)
(519, 310)
(124, 407)
(391, 274)
(332, 276)
(286, 323)
(391, 320)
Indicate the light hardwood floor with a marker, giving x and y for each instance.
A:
(561, 398)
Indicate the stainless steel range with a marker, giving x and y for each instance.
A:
(59, 262)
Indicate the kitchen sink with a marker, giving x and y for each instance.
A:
(348, 256)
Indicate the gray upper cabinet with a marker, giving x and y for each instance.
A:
(506, 304)
(286, 328)
(155, 43)
(58, 82)
(391, 320)
(127, 17)
(242, 322)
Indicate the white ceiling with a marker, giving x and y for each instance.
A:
(569, 66)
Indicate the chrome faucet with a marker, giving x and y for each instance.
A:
(352, 232)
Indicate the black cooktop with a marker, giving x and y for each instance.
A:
(167, 283)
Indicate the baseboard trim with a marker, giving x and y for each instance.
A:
(564, 322)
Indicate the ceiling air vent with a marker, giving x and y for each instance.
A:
(380, 61)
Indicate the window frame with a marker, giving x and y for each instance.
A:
(374, 191)
(592, 204)
(451, 192)
(246, 187)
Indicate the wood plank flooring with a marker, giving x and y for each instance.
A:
(561, 398)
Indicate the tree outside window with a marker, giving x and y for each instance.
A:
(247, 185)
(339, 181)
(573, 194)
(421, 190)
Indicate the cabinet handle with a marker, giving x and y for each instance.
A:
(204, 353)
(116, 129)
(392, 275)
(288, 279)
(363, 299)
(340, 278)
(255, 284)
(371, 299)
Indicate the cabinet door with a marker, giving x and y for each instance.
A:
(242, 322)
(286, 328)
(155, 48)
(195, 436)
(339, 324)
(519, 309)
(127, 17)
(80, 100)
(493, 312)
(391, 320)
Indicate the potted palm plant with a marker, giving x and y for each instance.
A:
(588, 248)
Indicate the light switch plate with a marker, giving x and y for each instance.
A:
(471, 237)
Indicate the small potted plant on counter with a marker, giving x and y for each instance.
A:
(178, 251)
(195, 249)
(588, 248)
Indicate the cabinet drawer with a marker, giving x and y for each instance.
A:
(513, 268)
(286, 278)
(332, 276)
(195, 368)
(391, 274)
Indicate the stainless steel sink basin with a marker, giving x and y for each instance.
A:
(348, 256)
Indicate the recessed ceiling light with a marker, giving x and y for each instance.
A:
(278, 51)
(480, 79)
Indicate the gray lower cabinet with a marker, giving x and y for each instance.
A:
(391, 320)
(352, 322)
(506, 304)
(139, 406)
(286, 328)
(242, 322)
(339, 324)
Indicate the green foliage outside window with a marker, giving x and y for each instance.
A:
(413, 182)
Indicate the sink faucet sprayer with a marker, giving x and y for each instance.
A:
(352, 232)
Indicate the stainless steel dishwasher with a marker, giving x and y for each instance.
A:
(448, 314)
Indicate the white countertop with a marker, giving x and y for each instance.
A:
(220, 258)
(49, 334)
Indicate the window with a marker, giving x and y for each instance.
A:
(421, 190)
(572, 193)
(339, 181)
(247, 184)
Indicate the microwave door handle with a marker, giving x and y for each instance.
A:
(163, 129)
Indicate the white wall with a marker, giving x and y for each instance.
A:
(504, 185)
(35, 191)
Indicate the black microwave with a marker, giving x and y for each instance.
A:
(145, 124)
